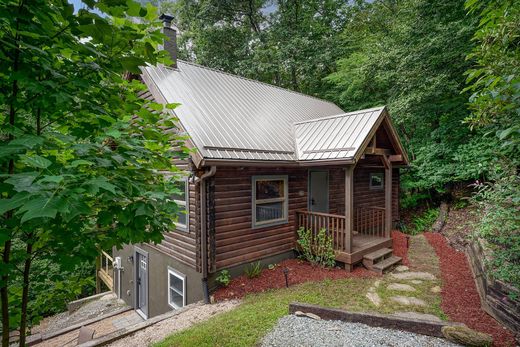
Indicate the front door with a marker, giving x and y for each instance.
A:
(141, 283)
(318, 191)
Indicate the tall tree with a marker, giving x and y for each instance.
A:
(80, 152)
(411, 55)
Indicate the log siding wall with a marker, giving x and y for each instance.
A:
(184, 245)
(236, 242)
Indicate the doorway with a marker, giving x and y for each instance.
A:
(141, 282)
(318, 191)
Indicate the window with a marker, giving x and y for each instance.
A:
(376, 180)
(182, 200)
(176, 289)
(269, 200)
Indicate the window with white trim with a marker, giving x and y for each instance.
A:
(176, 289)
(270, 200)
(377, 180)
(181, 198)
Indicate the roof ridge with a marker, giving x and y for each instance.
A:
(346, 114)
(249, 79)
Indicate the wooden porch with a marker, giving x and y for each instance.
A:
(368, 236)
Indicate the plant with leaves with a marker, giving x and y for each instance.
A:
(81, 154)
(494, 82)
(318, 249)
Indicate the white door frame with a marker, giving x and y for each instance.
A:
(137, 253)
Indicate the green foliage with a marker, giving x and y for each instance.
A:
(318, 250)
(494, 81)
(499, 204)
(410, 200)
(294, 46)
(224, 278)
(422, 222)
(80, 152)
(253, 270)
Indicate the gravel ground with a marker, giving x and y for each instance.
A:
(302, 332)
(190, 315)
(104, 305)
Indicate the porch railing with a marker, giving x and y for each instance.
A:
(367, 221)
(370, 221)
(333, 224)
(105, 271)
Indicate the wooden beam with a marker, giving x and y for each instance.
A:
(395, 157)
(349, 207)
(378, 151)
(388, 196)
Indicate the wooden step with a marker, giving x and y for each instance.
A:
(386, 264)
(371, 258)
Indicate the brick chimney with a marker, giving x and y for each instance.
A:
(170, 43)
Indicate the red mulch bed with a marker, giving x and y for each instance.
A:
(401, 246)
(460, 299)
(300, 272)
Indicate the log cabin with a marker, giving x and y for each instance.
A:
(265, 162)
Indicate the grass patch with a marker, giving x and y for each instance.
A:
(258, 313)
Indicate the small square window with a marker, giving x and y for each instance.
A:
(377, 180)
(176, 289)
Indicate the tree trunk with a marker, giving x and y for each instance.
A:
(4, 292)
(25, 292)
(441, 219)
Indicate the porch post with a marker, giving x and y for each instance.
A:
(388, 197)
(349, 207)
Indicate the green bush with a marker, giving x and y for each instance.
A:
(500, 226)
(422, 222)
(253, 270)
(223, 278)
(318, 250)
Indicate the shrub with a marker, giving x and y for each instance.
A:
(223, 278)
(422, 222)
(499, 226)
(253, 270)
(318, 250)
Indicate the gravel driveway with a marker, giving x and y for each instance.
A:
(302, 332)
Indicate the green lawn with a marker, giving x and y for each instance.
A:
(249, 322)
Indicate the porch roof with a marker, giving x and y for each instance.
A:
(336, 137)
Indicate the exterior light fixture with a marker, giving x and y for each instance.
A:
(286, 274)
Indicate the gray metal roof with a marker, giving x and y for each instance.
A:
(230, 117)
(336, 137)
(234, 118)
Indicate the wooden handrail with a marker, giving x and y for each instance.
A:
(320, 214)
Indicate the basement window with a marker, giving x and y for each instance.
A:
(270, 202)
(181, 198)
(377, 180)
(176, 289)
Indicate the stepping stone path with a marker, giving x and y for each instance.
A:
(401, 287)
(372, 295)
(414, 276)
(408, 300)
(401, 268)
(436, 289)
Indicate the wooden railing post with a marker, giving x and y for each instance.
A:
(349, 207)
